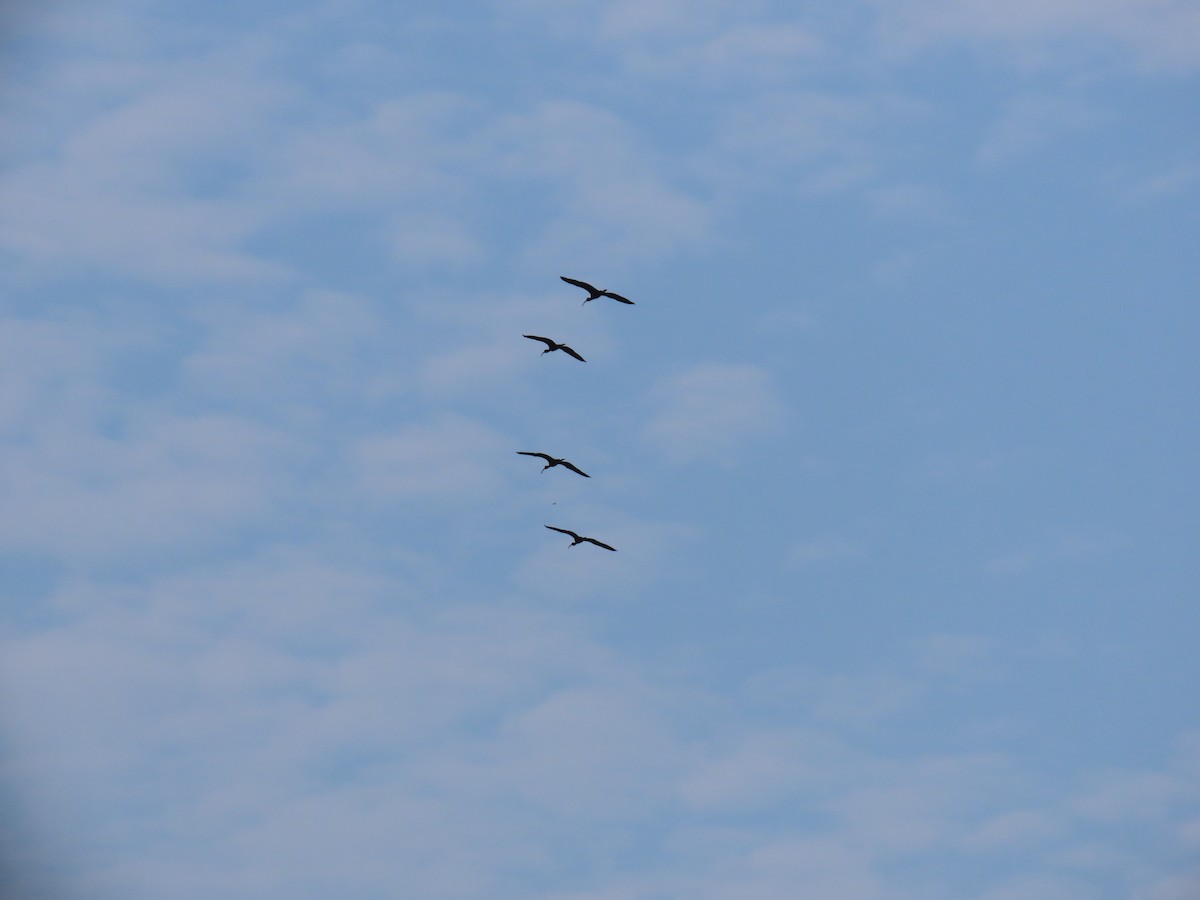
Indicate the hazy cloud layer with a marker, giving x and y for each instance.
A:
(713, 410)
(890, 448)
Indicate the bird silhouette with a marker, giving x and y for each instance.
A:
(554, 345)
(552, 461)
(579, 539)
(595, 293)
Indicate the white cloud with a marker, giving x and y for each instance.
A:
(52, 368)
(784, 128)
(960, 657)
(1176, 180)
(1158, 34)
(74, 222)
(1026, 829)
(1189, 834)
(816, 143)
(476, 368)
(277, 691)
(911, 201)
(196, 162)
(617, 23)
(1175, 887)
(119, 444)
(1125, 796)
(613, 197)
(177, 482)
(428, 161)
(598, 749)
(865, 700)
(430, 238)
(451, 457)
(712, 411)
(639, 218)
(658, 19)
(293, 355)
(764, 53)
(1039, 887)
(289, 723)
(763, 771)
(1057, 546)
(124, 190)
(250, 734)
(406, 150)
(926, 806)
(1031, 122)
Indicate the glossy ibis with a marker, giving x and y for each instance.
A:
(554, 345)
(579, 539)
(595, 292)
(552, 461)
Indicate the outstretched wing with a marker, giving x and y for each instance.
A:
(575, 469)
(564, 531)
(566, 349)
(600, 544)
(617, 297)
(582, 284)
(534, 337)
(545, 456)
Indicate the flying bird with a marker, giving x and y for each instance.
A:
(554, 345)
(551, 462)
(579, 539)
(595, 293)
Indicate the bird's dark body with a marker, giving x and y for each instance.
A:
(594, 293)
(554, 345)
(579, 539)
(552, 461)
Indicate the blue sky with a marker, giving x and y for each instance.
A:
(897, 448)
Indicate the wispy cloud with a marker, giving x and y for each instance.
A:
(713, 410)
(449, 458)
(292, 355)
(125, 191)
(1030, 123)
(763, 771)
(1173, 181)
(1062, 545)
(166, 483)
(820, 142)
(613, 198)
(756, 53)
(253, 728)
(1158, 35)
(286, 620)
(790, 128)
